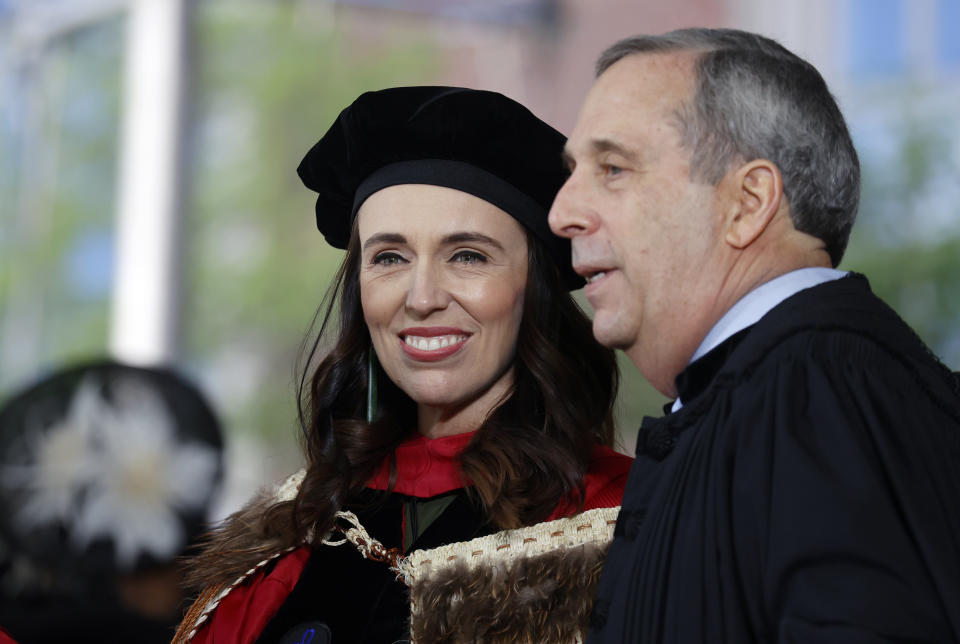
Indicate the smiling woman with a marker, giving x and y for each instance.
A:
(442, 278)
(463, 395)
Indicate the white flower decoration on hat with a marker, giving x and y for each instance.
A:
(61, 463)
(115, 469)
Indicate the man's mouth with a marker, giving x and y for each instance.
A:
(592, 274)
(595, 277)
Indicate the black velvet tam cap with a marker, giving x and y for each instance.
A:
(479, 142)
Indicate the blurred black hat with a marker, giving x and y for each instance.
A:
(476, 141)
(106, 468)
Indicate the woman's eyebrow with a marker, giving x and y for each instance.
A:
(384, 238)
(466, 237)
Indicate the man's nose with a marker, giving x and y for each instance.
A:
(426, 292)
(571, 214)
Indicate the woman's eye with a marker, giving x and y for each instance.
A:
(469, 257)
(611, 170)
(387, 259)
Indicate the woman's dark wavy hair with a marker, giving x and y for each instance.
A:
(529, 455)
(531, 452)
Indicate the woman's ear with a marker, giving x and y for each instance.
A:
(757, 191)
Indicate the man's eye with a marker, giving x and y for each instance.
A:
(387, 259)
(469, 257)
(611, 170)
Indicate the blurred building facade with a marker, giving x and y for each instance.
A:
(262, 81)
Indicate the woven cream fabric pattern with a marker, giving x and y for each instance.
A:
(592, 526)
(498, 549)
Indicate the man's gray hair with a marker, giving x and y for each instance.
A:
(754, 99)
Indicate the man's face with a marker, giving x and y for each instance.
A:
(645, 236)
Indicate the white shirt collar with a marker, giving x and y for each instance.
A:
(757, 303)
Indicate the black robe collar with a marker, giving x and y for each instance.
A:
(657, 436)
(808, 308)
(781, 320)
(698, 375)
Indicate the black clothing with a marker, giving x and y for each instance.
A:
(360, 600)
(808, 490)
(96, 618)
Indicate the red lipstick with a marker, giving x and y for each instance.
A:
(430, 344)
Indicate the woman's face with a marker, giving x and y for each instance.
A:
(442, 277)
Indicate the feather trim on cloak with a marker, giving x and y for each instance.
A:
(533, 584)
(547, 598)
(244, 539)
(529, 585)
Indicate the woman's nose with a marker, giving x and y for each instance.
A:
(426, 292)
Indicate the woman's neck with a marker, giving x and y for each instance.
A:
(436, 421)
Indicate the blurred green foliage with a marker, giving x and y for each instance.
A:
(907, 237)
(59, 150)
(922, 283)
(267, 81)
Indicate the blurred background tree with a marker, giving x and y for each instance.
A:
(269, 81)
(267, 78)
(58, 141)
(907, 239)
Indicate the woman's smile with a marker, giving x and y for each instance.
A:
(431, 344)
(442, 280)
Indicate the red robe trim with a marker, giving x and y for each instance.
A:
(243, 614)
(425, 466)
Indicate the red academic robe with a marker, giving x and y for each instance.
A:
(426, 468)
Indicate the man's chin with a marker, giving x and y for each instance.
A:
(609, 335)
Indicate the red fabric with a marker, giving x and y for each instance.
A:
(603, 485)
(425, 466)
(244, 613)
(6, 638)
(247, 609)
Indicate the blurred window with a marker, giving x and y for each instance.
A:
(948, 23)
(523, 12)
(88, 265)
(876, 39)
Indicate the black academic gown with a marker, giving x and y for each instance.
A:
(808, 490)
(360, 600)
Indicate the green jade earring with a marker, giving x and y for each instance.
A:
(371, 385)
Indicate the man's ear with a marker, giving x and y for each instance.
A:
(757, 191)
